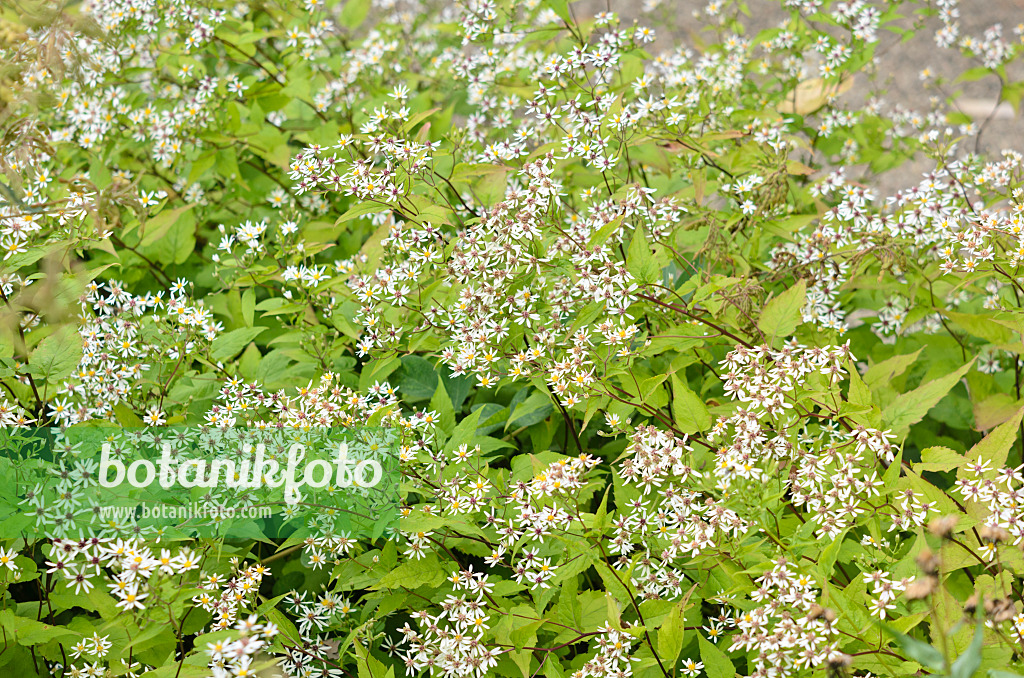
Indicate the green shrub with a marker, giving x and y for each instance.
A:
(678, 389)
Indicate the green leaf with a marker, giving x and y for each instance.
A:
(354, 13)
(784, 313)
(533, 410)
(126, 417)
(672, 633)
(910, 408)
(688, 411)
(457, 388)
(829, 555)
(640, 261)
(446, 525)
(465, 432)
(967, 664)
(939, 459)
(230, 344)
(201, 164)
(361, 210)
(613, 583)
(919, 651)
(57, 355)
(369, 666)
(887, 370)
(30, 632)
(442, 404)
(561, 8)
(983, 327)
(377, 371)
(156, 227)
(859, 393)
(716, 663)
(417, 380)
(248, 306)
(178, 241)
(601, 516)
(99, 173)
(413, 574)
(996, 445)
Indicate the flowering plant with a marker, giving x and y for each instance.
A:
(677, 386)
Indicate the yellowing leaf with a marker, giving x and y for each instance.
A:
(812, 94)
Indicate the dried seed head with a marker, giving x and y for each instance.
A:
(818, 612)
(972, 604)
(921, 588)
(839, 661)
(993, 534)
(927, 561)
(943, 527)
(1003, 610)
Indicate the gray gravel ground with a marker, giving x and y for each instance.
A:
(899, 63)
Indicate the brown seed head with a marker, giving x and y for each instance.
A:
(943, 527)
(1003, 610)
(840, 661)
(993, 534)
(921, 588)
(927, 561)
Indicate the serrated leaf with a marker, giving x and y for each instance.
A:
(30, 632)
(910, 408)
(57, 355)
(413, 574)
(887, 370)
(784, 313)
(996, 445)
(939, 459)
(858, 393)
(688, 411)
(672, 631)
(716, 663)
(640, 261)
